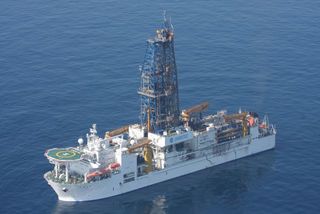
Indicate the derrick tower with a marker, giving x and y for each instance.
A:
(159, 82)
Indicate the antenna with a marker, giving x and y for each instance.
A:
(167, 22)
(164, 15)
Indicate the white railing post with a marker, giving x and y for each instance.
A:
(67, 173)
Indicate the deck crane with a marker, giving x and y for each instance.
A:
(186, 114)
(117, 131)
(241, 116)
(147, 152)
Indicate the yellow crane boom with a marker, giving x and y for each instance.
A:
(242, 116)
(230, 117)
(197, 108)
(141, 143)
(117, 131)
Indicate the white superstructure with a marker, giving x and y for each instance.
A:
(114, 165)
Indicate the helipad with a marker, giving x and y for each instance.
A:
(63, 154)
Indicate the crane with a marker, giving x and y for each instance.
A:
(195, 109)
(241, 116)
(117, 131)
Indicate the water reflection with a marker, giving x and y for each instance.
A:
(222, 186)
(130, 203)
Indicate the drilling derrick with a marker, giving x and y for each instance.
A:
(159, 82)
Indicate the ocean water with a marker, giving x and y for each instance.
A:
(67, 64)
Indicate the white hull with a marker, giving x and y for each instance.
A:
(115, 186)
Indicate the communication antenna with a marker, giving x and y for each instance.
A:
(167, 22)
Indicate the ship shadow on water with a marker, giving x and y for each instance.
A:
(225, 185)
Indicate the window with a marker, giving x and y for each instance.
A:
(128, 177)
(179, 147)
(128, 180)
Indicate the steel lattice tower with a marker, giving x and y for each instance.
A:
(159, 82)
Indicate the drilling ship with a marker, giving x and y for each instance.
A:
(166, 144)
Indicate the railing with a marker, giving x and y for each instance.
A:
(76, 178)
(215, 149)
(73, 179)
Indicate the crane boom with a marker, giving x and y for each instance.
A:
(230, 117)
(141, 143)
(197, 108)
(242, 116)
(117, 131)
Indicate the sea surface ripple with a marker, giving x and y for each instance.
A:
(67, 64)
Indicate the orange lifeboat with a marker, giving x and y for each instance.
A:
(99, 172)
(93, 174)
(104, 170)
(114, 165)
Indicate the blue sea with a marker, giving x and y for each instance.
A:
(66, 64)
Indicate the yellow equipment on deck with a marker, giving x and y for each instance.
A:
(241, 116)
(148, 156)
(147, 152)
